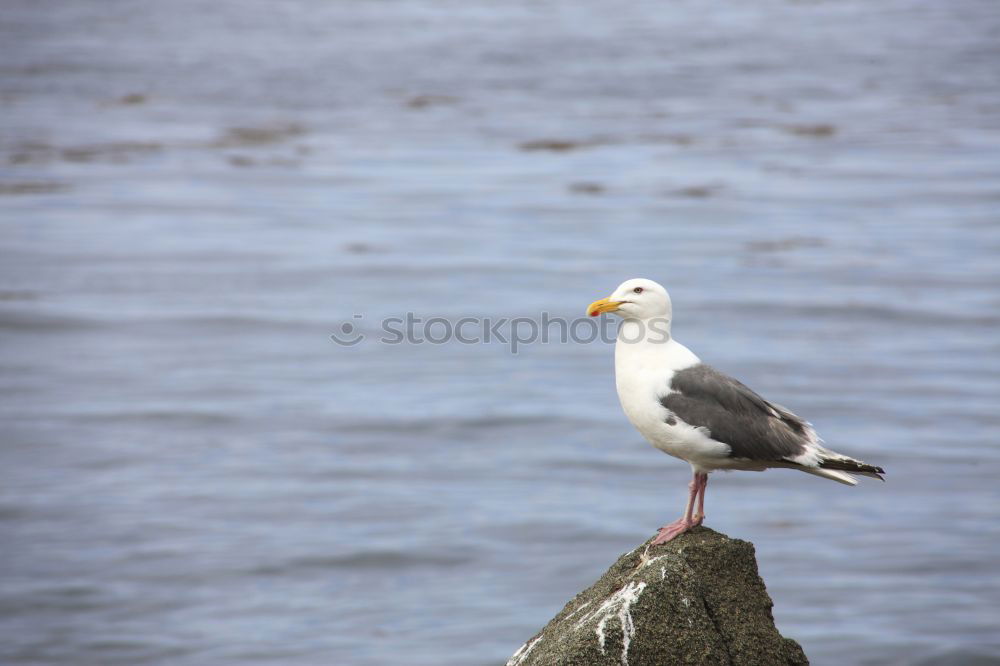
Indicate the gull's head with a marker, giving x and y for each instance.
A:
(637, 298)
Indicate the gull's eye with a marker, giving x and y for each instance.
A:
(637, 290)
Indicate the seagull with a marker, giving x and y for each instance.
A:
(692, 411)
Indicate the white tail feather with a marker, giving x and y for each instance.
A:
(835, 475)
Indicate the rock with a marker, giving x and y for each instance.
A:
(695, 600)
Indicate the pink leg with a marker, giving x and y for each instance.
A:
(699, 514)
(696, 488)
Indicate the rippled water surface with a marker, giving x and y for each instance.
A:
(194, 196)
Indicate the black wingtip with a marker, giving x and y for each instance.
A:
(852, 466)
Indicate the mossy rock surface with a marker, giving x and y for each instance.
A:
(695, 600)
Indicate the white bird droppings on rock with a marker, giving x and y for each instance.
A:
(522, 653)
(617, 605)
(580, 608)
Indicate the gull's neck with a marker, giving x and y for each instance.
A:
(646, 345)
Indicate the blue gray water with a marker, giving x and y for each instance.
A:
(195, 195)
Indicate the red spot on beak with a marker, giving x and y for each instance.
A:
(594, 313)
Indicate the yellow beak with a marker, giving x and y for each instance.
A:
(603, 305)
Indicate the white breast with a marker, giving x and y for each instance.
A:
(643, 371)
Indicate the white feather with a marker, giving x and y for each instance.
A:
(836, 475)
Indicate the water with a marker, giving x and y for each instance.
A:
(195, 196)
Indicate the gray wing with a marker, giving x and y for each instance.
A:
(753, 428)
